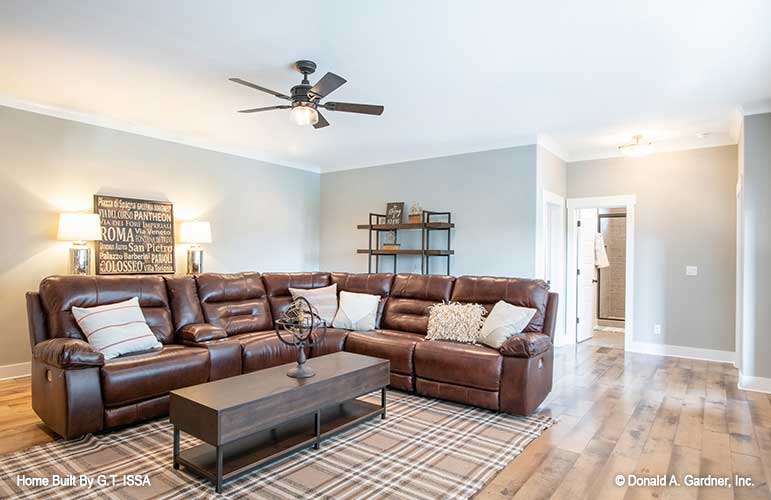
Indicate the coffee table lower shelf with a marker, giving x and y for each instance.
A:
(263, 447)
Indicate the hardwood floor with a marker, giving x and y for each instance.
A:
(617, 414)
(640, 414)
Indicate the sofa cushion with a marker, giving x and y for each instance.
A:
(236, 302)
(460, 364)
(277, 287)
(184, 301)
(411, 295)
(333, 341)
(396, 346)
(116, 329)
(357, 311)
(262, 350)
(137, 377)
(58, 294)
(485, 290)
(373, 284)
(323, 300)
(455, 322)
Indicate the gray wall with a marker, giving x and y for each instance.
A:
(685, 215)
(263, 217)
(756, 245)
(492, 196)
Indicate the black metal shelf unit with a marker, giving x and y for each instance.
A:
(428, 224)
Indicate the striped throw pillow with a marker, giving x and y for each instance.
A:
(323, 299)
(116, 329)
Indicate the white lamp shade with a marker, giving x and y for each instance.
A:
(195, 232)
(79, 227)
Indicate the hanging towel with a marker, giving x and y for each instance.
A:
(600, 255)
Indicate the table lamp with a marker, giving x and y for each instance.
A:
(79, 228)
(195, 232)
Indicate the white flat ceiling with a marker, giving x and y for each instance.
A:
(454, 76)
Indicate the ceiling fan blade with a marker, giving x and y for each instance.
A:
(262, 89)
(328, 84)
(322, 121)
(269, 108)
(367, 109)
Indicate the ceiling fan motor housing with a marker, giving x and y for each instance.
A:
(300, 95)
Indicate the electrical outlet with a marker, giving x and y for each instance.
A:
(656, 329)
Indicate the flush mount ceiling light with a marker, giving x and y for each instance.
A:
(638, 147)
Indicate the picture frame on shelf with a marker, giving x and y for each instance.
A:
(395, 212)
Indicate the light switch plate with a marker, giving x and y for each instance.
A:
(691, 271)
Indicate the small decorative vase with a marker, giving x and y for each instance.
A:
(301, 320)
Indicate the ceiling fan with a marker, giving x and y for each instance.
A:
(306, 98)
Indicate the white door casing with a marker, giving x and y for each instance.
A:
(586, 274)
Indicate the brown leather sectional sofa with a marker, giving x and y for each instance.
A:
(214, 326)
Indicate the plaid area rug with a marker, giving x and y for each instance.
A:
(425, 449)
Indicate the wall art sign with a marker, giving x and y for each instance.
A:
(137, 236)
(395, 212)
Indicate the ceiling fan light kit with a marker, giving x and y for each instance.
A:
(306, 99)
(637, 147)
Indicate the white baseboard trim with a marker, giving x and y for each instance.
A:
(678, 351)
(756, 384)
(15, 371)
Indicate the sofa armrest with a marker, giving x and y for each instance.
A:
(67, 353)
(200, 332)
(526, 345)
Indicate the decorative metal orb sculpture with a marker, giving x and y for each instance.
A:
(301, 321)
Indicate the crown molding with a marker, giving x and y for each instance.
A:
(549, 143)
(756, 107)
(132, 128)
(514, 142)
(713, 141)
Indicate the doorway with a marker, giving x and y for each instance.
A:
(600, 263)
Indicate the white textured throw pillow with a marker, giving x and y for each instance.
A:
(504, 321)
(116, 329)
(358, 311)
(323, 299)
(456, 322)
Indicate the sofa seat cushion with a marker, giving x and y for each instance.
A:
(128, 379)
(333, 341)
(264, 350)
(526, 345)
(460, 364)
(396, 346)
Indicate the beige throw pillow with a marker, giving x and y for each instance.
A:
(323, 299)
(456, 322)
(358, 311)
(503, 322)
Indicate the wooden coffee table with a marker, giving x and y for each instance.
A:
(255, 418)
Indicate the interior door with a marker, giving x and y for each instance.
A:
(586, 279)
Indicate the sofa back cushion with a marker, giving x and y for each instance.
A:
(236, 302)
(58, 294)
(485, 290)
(277, 286)
(184, 301)
(411, 295)
(372, 284)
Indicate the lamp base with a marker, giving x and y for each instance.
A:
(80, 260)
(194, 261)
